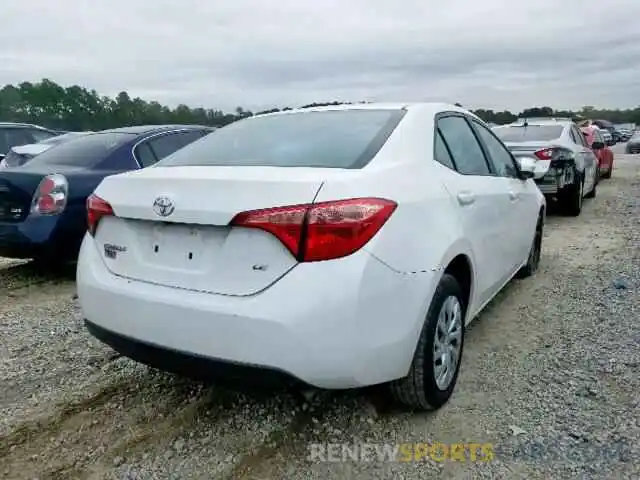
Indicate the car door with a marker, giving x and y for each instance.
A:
(587, 158)
(482, 199)
(159, 146)
(523, 197)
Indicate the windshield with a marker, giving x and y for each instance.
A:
(530, 133)
(322, 139)
(84, 151)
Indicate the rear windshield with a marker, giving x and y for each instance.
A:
(530, 133)
(323, 139)
(84, 151)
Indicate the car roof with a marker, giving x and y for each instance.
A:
(426, 107)
(22, 125)
(143, 129)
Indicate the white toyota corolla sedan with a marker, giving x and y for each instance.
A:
(336, 247)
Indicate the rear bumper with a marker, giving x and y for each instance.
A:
(555, 180)
(347, 323)
(193, 366)
(635, 148)
(41, 236)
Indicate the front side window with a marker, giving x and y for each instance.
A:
(499, 154)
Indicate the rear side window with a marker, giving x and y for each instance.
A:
(322, 139)
(84, 151)
(441, 152)
(465, 149)
(530, 133)
(164, 145)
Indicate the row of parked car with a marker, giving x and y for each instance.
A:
(332, 247)
(569, 163)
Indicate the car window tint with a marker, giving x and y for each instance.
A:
(165, 145)
(441, 152)
(500, 156)
(145, 155)
(348, 138)
(465, 149)
(84, 151)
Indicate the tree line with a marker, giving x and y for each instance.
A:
(77, 108)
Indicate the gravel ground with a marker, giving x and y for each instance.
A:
(551, 378)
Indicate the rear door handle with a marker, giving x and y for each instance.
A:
(513, 196)
(466, 198)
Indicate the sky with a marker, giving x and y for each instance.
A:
(261, 54)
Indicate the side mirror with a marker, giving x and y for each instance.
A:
(527, 167)
(597, 145)
(2, 155)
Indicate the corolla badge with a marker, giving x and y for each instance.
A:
(163, 206)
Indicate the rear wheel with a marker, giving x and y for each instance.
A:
(533, 261)
(593, 192)
(572, 201)
(436, 362)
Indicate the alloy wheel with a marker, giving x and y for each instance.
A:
(447, 342)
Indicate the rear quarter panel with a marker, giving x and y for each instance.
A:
(423, 234)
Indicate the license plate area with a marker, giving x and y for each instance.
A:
(176, 246)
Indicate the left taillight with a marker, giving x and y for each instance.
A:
(51, 195)
(97, 209)
(321, 231)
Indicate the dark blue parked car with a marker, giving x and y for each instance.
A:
(42, 203)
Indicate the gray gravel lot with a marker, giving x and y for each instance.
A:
(551, 378)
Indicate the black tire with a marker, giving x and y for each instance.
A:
(572, 201)
(418, 390)
(50, 263)
(533, 260)
(594, 190)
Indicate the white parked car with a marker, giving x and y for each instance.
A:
(339, 246)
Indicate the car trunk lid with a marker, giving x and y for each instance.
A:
(16, 193)
(193, 247)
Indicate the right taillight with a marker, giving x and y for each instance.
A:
(50, 197)
(97, 208)
(544, 154)
(321, 231)
(554, 153)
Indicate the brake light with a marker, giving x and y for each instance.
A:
(545, 154)
(554, 153)
(321, 231)
(51, 195)
(97, 208)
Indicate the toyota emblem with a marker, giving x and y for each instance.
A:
(163, 206)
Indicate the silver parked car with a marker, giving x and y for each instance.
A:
(566, 168)
(633, 145)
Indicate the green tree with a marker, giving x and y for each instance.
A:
(78, 108)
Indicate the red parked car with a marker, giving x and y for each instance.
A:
(604, 154)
